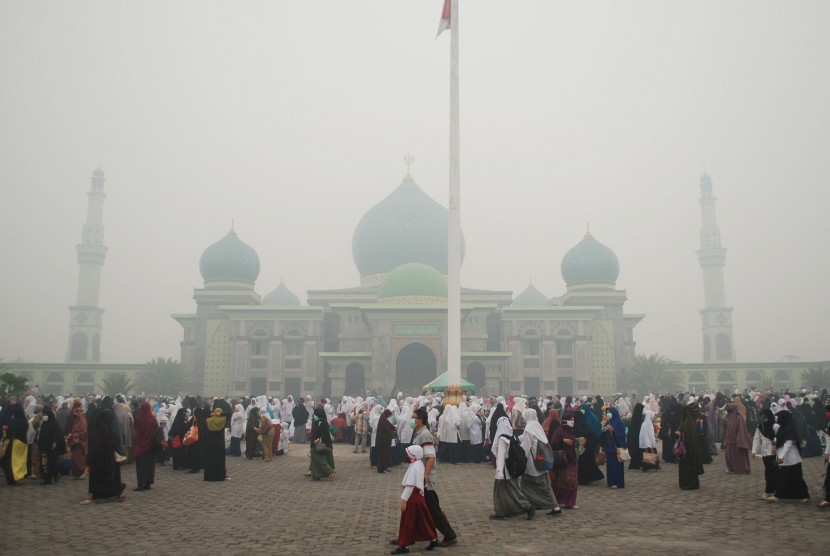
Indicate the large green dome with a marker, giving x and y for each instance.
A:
(229, 260)
(408, 226)
(590, 262)
(413, 283)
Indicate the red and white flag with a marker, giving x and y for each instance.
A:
(444, 23)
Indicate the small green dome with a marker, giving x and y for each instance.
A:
(229, 260)
(281, 296)
(531, 297)
(590, 262)
(408, 226)
(413, 283)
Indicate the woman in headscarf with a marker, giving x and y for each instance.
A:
(475, 424)
(737, 441)
(237, 429)
(51, 444)
(251, 433)
(76, 438)
(266, 430)
(104, 471)
(508, 499)
(416, 522)
(386, 434)
(145, 430)
(647, 441)
(707, 412)
(177, 431)
(62, 414)
(215, 446)
(613, 442)
(565, 481)
(790, 479)
(669, 419)
(633, 437)
(551, 422)
(339, 422)
(763, 445)
(448, 425)
(17, 451)
(322, 460)
(300, 415)
(535, 484)
(587, 447)
(689, 466)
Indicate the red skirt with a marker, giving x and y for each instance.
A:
(416, 522)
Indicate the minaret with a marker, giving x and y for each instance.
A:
(716, 317)
(85, 315)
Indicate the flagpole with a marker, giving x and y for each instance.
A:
(454, 224)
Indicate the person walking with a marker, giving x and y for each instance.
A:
(416, 522)
(690, 466)
(145, 430)
(266, 430)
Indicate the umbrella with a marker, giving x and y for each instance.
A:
(440, 383)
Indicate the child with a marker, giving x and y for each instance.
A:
(416, 522)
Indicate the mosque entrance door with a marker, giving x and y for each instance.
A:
(415, 366)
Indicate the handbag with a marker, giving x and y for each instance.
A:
(680, 447)
(192, 435)
(321, 448)
(580, 447)
(259, 438)
(600, 458)
(651, 458)
(560, 460)
(177, 442)
(623, 455)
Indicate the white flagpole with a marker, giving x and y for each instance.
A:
(454, 232)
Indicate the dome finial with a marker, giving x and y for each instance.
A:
(588, 230)
(408, 160)
(232, 231)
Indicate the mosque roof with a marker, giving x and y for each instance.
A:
(590, 262)
(408, 226)
(413, 283)
(281, 296)
(229, 260)
(531, 297)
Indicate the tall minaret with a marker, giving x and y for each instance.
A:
(85, 315)
(716, 317)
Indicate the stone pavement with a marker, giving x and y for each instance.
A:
(272, 508)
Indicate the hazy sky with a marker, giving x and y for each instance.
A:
(292, 118)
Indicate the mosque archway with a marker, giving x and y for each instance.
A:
(415, 366)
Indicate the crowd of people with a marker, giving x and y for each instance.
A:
(542, 450)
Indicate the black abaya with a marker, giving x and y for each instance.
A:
(690, 466)
(215, 455)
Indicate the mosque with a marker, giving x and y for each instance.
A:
(388, 333)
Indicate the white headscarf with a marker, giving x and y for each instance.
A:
(503, 426)
(414, 475)
(532, 425)
(448, 424)
(647, 430)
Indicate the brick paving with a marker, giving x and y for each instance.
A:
(272, 508)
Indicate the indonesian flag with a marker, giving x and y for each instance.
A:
(444, 22)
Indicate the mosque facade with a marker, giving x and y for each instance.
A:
(388, 333)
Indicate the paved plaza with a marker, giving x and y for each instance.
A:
(272, 508)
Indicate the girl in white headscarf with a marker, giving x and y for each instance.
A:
(535, 483)
(416, 522)
(374, 417)
(238, 420)
(508, 499)
(288, 409)
(448, 425)
(648, 443)
(474, 424)
(463, 434)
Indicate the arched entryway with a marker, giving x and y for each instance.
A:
(355, 380)
(477, 375)
(415, 366)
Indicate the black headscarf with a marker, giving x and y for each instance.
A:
(50, 433)
(635, 425)
(253, 420)
(19, 428)
(766, 426)
(498, 413)
(320, 427)
(179, 425)
(787, 430)
(101, 453)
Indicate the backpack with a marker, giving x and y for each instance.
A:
(543, 456)
(516, 462)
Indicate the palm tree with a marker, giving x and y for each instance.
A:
(161, 376)
(649, 374)
(815, 379)
(116, 383)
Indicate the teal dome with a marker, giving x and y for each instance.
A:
(281, 296)
(408, 226)
(229, 260)
(531, 297)
(413, 283)
(590, 262)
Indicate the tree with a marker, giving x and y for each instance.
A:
(815, 379)
(161, 376)
(649, 374)
(116, 383)
(12, 385)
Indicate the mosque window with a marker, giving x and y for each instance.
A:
(697, 378)
(85, 378)
(754, 378)
(530, 349)
(55, 378)
(564, 347)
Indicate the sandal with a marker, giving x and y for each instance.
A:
(494, 516)
(87, 502)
